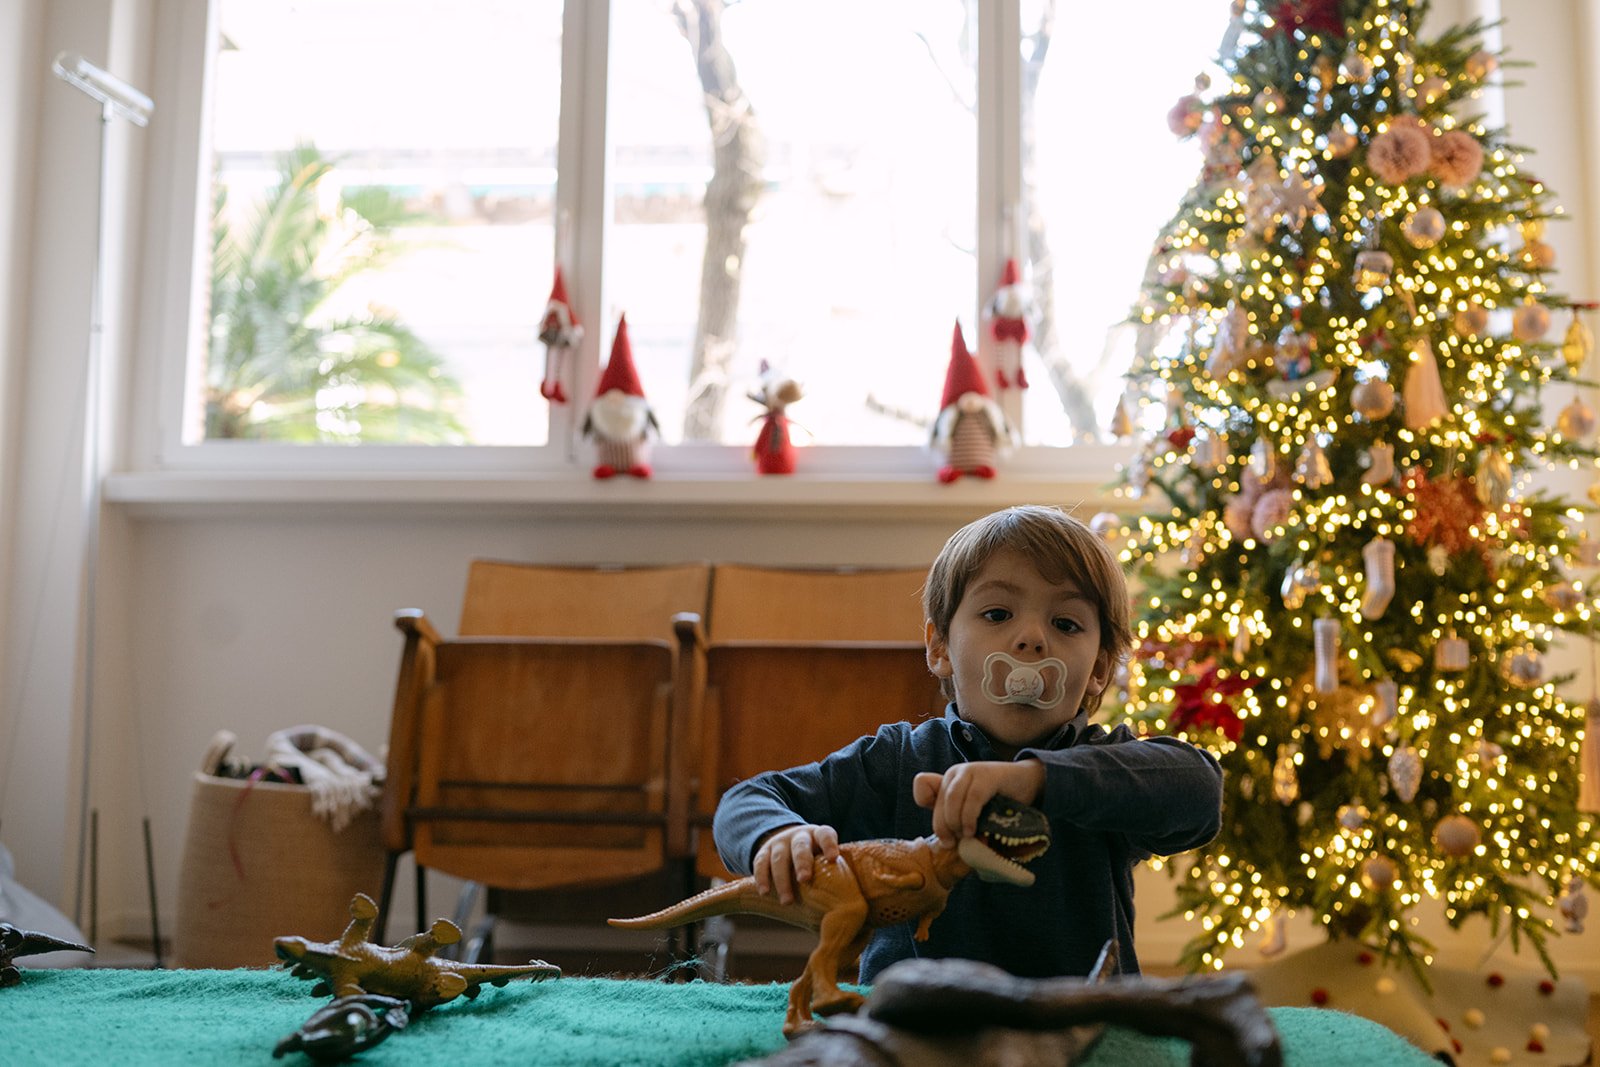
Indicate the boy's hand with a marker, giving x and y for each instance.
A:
(785, 859)
(958, 795)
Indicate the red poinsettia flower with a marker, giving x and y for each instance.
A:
(1179, 438)
(1310, 15)
(1206, 703)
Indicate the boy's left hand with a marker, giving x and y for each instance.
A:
(958, 795)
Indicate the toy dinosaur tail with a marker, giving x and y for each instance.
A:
(731, 898)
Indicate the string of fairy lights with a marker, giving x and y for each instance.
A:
(1352, 593)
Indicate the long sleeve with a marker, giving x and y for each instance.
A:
(1164, 795)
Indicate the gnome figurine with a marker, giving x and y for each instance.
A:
(620, 419)
(774, 452)
(561, 332)
(971, 428)
(1008, 323)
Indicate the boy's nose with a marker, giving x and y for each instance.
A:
(1030, 640)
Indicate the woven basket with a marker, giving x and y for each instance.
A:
(257, 865)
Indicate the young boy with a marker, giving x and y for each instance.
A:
(1027, 618)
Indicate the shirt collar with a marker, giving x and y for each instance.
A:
(972, 734)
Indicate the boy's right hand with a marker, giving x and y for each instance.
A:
(786, 858)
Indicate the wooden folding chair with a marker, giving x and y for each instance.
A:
(537, 751)
(800, 663)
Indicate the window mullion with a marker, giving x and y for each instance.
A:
(1001, 223)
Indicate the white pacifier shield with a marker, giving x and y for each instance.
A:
(1008, 680)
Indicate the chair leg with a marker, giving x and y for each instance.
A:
(422, 898)
(385, 897)
(716, 940)
(479, 945)
(466, 901)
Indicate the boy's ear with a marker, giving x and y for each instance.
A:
(1104, 665)
(938, 651)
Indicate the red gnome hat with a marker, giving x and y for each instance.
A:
(559, 306)
(619, 372)
(963, 375)
(1010, 275)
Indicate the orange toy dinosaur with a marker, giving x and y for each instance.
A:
(872, 884)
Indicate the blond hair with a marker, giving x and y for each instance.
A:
(1059, 546)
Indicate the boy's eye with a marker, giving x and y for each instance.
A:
(997, 614)
(1067, 626)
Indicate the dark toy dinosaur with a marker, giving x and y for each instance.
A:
(15, 942)
(409, 970)
(872, 884)
(345, 1027)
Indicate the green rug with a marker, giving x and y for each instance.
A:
(197, 1018)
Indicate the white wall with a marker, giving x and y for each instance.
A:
(266, 614)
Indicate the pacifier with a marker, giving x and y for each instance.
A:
(1008, 680)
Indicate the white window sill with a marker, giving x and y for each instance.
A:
(203, 494)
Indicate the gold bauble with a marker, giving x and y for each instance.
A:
(1379, 873)
(1456, 835)
(1577, 344)
(1372, 399)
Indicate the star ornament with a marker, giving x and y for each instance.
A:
(1296, 200)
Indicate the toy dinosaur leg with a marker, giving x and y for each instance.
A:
(842, 1001)
(798, 1018)
(843, 929)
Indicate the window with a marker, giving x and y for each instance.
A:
(385, 212)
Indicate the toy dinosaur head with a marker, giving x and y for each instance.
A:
(1009, 835)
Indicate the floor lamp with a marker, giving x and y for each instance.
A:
(117, 99)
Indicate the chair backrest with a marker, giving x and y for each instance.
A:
(800, 663)
(540, 600)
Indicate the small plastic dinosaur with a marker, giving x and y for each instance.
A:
(872, 884)
(409, 970)
(15, 942)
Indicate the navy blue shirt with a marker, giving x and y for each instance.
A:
(1113, 800)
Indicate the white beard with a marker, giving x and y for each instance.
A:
(617, 416)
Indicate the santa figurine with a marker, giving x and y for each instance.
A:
(971, 429)
(1008, 310)
(560, 331)
(620, 419)
(774, 452)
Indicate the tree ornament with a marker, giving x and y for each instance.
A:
(1576, 421)
(1589, 760)
(1405, 773)
(1379, 873)
(1386, 701)
(1356, 68)
(1472, 320)
(1481, 64)
(1493, 478)
(1139, 474)
(1294, 200)
(1275, 933)
(1577, 344)
(1373, 269)
(1108, 526)
(1380, 464)
(1285, 776)
(1456, 835)
(1301, 580)
(1271, 511)
(1488, 754)
(1185, 116)
(1263, 460)
(1522, 666)
(1311, 469)
(1439, 560)
(1325, 645)
(1530, 321)
(1211, 451)
(1400, 153)
(1536, 255)
(1424, 392)
(1379, 558)
(1269, 101)
(1241, 644)
(560, 332)
(1451, 654)
(1372, 399)
(1573, 905)
(1353, 816)
(1432, 88)
(1230, 349)
(1341, 141)
(1456, 158)
(1563, 596)
(1423, 227)
(1121, 421)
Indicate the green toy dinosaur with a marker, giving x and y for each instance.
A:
(872, 884)
(409, 970)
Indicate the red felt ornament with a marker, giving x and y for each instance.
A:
(561, 332)
(620, 420)
(970, 428)
(1008, 312)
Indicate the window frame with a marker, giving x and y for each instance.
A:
(176, 176)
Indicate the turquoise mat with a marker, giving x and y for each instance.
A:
(117, 1017)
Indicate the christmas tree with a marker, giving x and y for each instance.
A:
(1352, 580)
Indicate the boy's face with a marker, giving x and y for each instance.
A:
(1009, 607)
